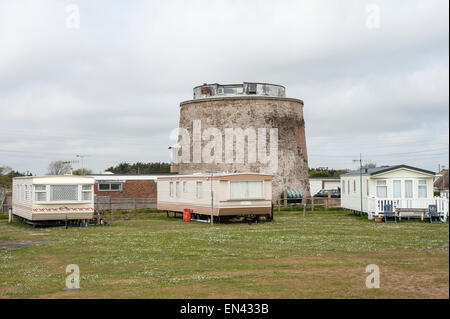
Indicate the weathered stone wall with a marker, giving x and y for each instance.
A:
(254, 112)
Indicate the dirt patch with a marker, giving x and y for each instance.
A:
(16, 244)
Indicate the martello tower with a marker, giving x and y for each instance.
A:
(272, 125)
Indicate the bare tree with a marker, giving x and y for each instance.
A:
(59, 168)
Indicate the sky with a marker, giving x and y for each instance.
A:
(104, 79)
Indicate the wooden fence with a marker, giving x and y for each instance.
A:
(108, 203)
(327, 202)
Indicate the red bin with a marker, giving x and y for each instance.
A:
(187, 215)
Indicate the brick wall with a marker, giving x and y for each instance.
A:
(131, 189)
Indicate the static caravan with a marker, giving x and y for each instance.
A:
(52, 198)
(402, 186)
(236, 194)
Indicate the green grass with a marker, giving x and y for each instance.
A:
(146, 255)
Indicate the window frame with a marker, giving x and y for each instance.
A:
(393, 188)
(377, 186)
(199, 195)
(110, 189)
(84, 191)
(36, 192)
(64, 200)
(248, 197)
(410, 182)
(367, 187)
(171, 192)
(421, 186)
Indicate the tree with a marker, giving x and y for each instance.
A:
(59, 168)
(6, 176)
(140, 168)
(325, 172)
(4, 170)
(82, 171)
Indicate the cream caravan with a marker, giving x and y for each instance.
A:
(52, 198)
(223, 195)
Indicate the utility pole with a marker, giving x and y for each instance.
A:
(360, 181)
(81, 157)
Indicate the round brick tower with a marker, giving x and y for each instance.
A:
(221, 121)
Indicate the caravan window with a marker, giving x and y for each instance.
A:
(178, 189)
(171, 189)
(381, 189)
(63, 192)
(397, 189)
(422, 188)
(86, 192)
(408, 189)
(367, 187)
(199, 190)
(246, 189)
(40, 193)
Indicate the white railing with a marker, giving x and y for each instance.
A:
(376, 205)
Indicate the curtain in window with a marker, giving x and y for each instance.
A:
(408, 189)
(422, 189)
(199, 189)
(381, 189)
(255, 189)
(238, 190)
(40, 192)
(246, 190)
(397, 191)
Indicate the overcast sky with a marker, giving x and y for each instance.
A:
(373, 75)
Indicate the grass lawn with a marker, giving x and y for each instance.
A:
(322, 255)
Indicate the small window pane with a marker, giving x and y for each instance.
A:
(116, 187)
(87, 195)
(103, 187)
(41, 196)
(87, 187)
(255, 189)
(408, 189)
(40, 187)
(397, 189)
(422, 189)
(199, 190)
